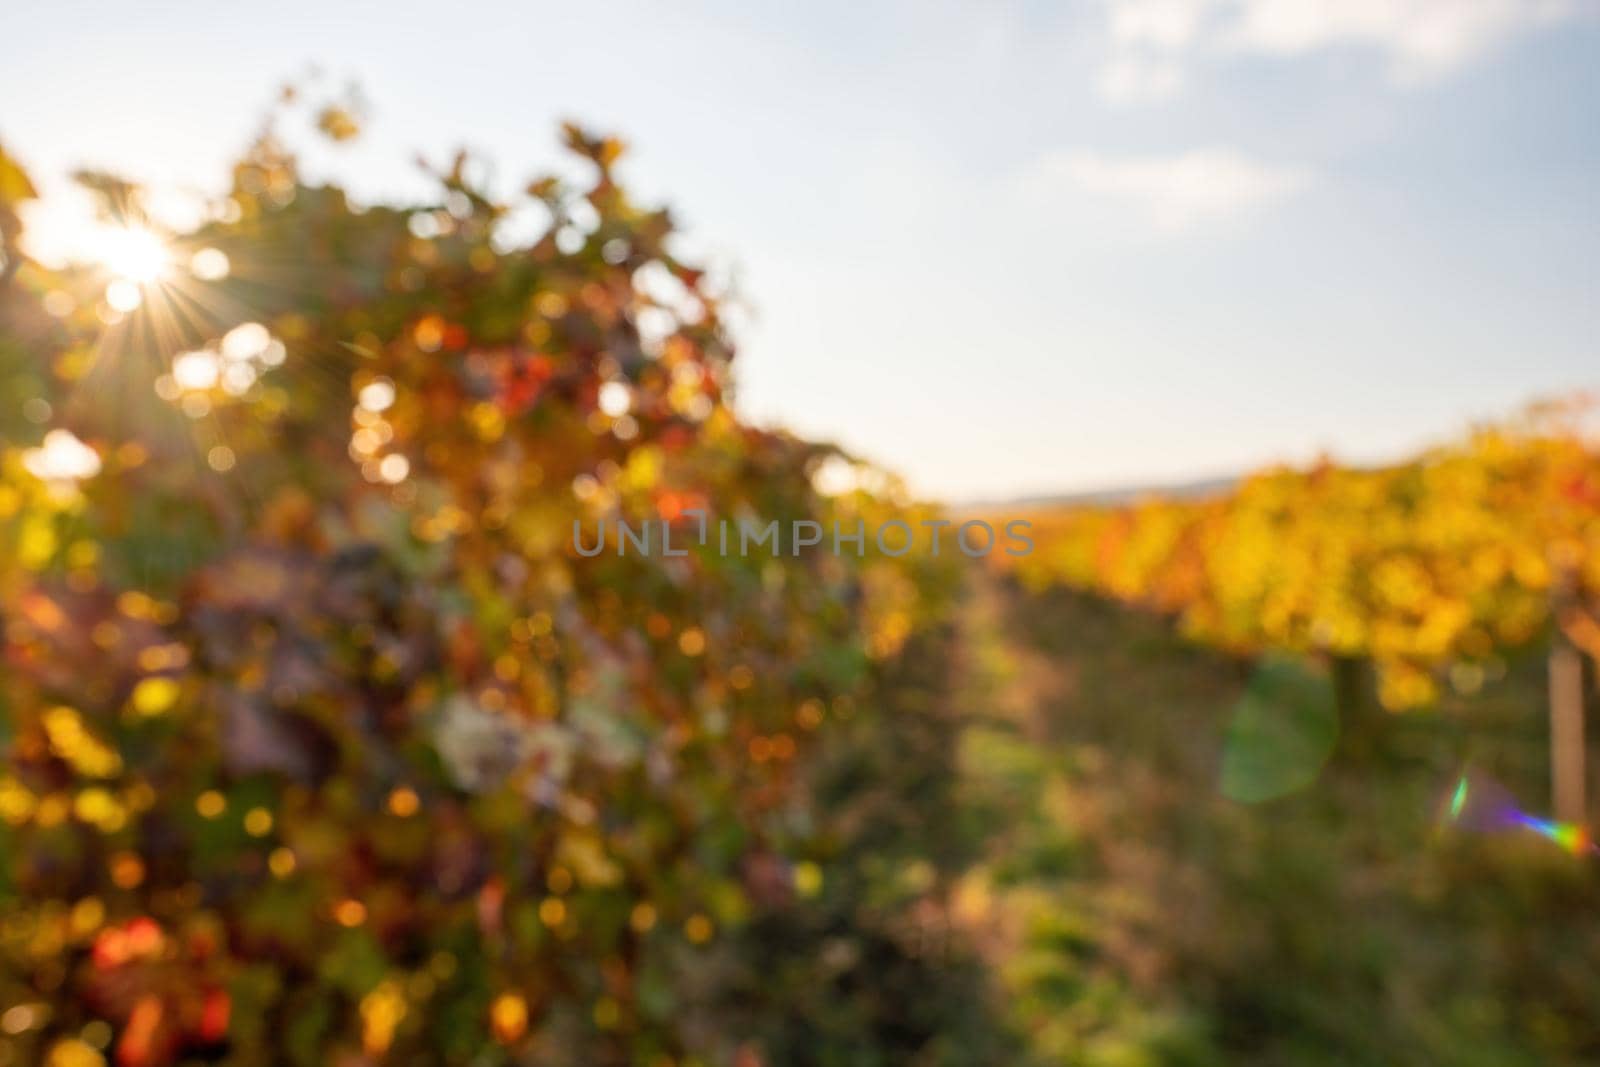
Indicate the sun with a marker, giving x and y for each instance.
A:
(133, 254)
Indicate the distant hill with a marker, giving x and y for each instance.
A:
(1108, 497)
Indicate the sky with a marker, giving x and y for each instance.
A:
(1001, 248)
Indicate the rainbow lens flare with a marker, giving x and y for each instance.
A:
(1487, 807)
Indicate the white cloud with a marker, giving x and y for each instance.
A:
(1173, 192)
(1421, 38)
(1162, 24)
(1137, 79)
(1152, 41)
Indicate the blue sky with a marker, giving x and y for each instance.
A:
(1001, 248)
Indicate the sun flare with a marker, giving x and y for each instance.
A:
(133, 254)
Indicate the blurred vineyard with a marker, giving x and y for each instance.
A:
(1429, 569)
(323, 744)
(1381, 670)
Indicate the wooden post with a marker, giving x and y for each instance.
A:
(1566, 732)
(1567, 770)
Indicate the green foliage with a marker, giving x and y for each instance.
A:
(324, 745)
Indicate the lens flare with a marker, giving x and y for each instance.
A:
(1571, 837)
(1483, 806)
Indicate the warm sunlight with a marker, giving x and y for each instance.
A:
(132, 253)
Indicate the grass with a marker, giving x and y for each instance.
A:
(1130, 913)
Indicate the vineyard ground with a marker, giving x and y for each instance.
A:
(1129, 913)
